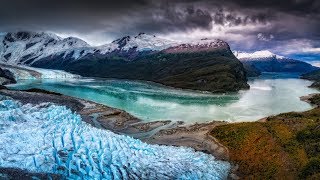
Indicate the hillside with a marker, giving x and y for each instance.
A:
(285, 146)
(208, 71)
(313, 76)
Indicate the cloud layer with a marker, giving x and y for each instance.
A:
(246, 25)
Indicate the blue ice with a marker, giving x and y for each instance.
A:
(52, 139)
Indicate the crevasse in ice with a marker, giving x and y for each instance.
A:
(49, 138)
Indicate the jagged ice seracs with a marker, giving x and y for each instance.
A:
(52, 139)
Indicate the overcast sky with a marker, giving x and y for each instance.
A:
(286, 27)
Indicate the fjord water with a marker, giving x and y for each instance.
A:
(269, 94)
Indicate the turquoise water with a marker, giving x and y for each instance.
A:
(270, 94)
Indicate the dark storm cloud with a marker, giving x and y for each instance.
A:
(169, 17)
(119, 15)
(283, 20)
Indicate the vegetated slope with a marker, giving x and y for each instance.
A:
(215, 71)
(286, 146)
(313, 76)
(251, 70)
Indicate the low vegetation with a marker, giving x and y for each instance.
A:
(314, 76)
(213, 71)
(286, 146)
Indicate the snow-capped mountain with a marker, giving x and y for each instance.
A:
(194, 65)
(143, 42)
(27, 47)
(202, 45)
(30, 47)
(266, 61)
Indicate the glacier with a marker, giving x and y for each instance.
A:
(52, 139)
(21, 72)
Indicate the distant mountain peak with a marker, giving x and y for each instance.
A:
(256, 55)
(266, 61)
(25, 47)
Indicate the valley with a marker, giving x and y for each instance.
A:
(181, 122)
(147, 97)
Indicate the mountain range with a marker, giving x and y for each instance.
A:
(206, 64)
(266, 61)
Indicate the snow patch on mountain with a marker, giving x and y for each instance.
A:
(144, 42)
(256, 55)
(207, 42)
(52, 139)
(107, 48)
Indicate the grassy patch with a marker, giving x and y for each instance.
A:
(286, 146)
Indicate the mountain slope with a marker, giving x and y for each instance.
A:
(265, 61)
(313, 76)
(207, 64)
(214, 71)
(28, 47)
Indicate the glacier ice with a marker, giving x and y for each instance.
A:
(29, 73)
(52, 139)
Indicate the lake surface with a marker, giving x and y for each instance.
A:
(269, 94)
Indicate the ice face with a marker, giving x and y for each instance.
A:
(28, 73)
(51, 139)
